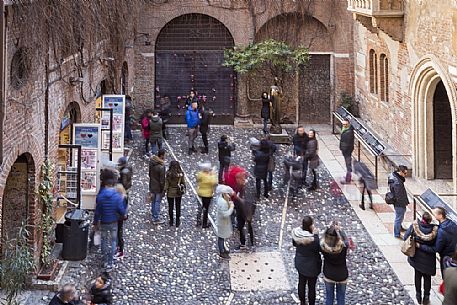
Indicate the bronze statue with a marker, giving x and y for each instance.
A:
(276, 101)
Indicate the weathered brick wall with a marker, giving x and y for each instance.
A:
(329, 23)
(429, 29)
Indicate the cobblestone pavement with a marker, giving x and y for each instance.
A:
(165, 265)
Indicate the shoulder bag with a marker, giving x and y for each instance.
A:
(408, 246)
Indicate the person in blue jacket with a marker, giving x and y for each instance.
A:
(446, 240)
(193, 121)
(109, 207)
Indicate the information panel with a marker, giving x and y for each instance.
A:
(117, 103)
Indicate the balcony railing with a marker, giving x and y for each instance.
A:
(377, 8)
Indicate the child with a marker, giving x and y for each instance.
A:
(100, 292)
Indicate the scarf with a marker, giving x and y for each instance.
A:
(344, 129)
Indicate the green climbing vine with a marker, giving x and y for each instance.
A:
(45, 192)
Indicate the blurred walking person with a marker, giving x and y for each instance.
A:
(308, 260)
(368, 182)
(206, 183)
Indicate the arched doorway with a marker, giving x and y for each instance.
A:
(314, 80)
(18, 195)
(189, 55)
(442, 133)
(434, 133)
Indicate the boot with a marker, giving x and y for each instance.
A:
(348, 177)
(362, 206)
(426, 300)
(419, 299)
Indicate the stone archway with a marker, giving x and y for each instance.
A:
(430, 83)
(18, 197)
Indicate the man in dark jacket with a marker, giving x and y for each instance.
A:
(225, 153)
(66, 296)
(155, 133)
(396, 183)
(205, 116)
(261, 158)
(446, 240)
(192, 121)
(347, 147)
(271, 162)
(300, 141)
(157, 184)
(125, 178)
(109, 206)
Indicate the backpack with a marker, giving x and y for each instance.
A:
(125, 177)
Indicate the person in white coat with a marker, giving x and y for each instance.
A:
(224, 223)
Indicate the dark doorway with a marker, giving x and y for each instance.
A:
(189, 55)
(442, 133)
(314, 91)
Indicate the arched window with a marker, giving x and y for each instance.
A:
(384, 77)
(373, 70)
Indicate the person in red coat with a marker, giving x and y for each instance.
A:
(145, 129)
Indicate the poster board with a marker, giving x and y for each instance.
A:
(117, 103)
(89, 137)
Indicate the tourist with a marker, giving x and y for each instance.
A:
(307, 259)
(175, 188)
(192, 98)
(236, 177)
(165, 115)
(293, 172)
(224, 224)
(193, 121)
(265, 111)
(125, 178)
(101, 290)
(224, 148)
(204, 128)
(155, 133)
(347, 147)
(157, 184)
(206, 182)
(334, 246)
(245, 207)
(261, 158)
(450, 279)
(271, 162)
(145, 129)
(128, 116)
(368, 182)
(312, 158)
(300, 142)
(396, 183)
(109, 207)
(446, 240)
(423, 262)
(66, 296)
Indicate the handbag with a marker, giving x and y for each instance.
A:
(271, 164)
(390, 198)
(97, 238)
(181, 187)
(408, 247)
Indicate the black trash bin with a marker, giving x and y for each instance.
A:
(75, 235)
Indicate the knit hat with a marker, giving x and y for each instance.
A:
(122, 161)
(205, 166)
(224, 189)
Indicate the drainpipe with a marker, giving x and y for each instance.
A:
(2, 75)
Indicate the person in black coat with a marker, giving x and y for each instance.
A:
(265, 111)
(368, 181)
(224, 149)
(396, 182)
(271, 162)
(100, 291)
(347, 147)
(261, 158)
(307, 259)
(205, 116)
(300, 142)
(423, 262)
(66, 296)
(312, 158)
(334, 246)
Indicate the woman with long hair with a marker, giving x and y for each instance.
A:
(175, 187)
(307, 259)
(312, 157)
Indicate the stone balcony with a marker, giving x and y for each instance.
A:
(375, 15)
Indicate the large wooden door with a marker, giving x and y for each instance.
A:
(189, 55)
(314, 90)
(442, 133)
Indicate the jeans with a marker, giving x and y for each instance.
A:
(120, 235)
(418, 283)
(171, 203)
(265, 125)
(109, 241)
(330, 293)
(155, 206)
(221, 245)
(399, 216)
(205, 139)
(241, 221)
(156, 144)
(304, 170)
(192, 135)
(146, 145)
(258, 185)
(270, 180)
(348, 161)
(223, 167)
(206, 201)
(302, 282)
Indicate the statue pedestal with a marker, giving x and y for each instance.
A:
(280, 138)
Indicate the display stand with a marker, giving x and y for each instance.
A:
(117, 103)
(88, 136)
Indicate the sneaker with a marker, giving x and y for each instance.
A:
(241, 247)
(119, 255)
(158, 222)
(224, 255)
